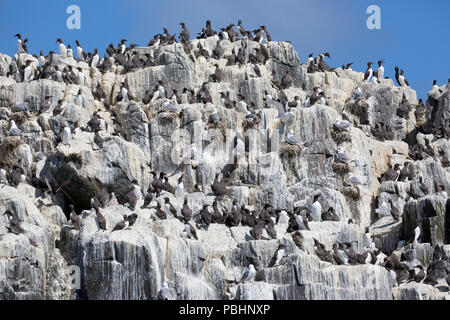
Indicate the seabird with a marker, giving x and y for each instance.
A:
(380, 71)
(369, 71)
(342, 124)
(170, 208)
(374, 78)
(190, 230)
(321, 252)
(218, 51)
(270, 229)
(28, 71)
(257, 231)
(132, 219)
(66, 136)
(184, 35)
(21, 47)
(62, 48)
(161, 214)
(354, 180)
(98, 140)
(266, 33)
(81, 77)
(249, 274)
(69, 51)
(278, 256)
(316, 208)
(423, 186)
(100, 218)
(13, 130)
(14, 223)
(392, 173)
(241, 29)
(329, 215)
(179, 190)
(95, 59)
(302, 223)
(121, 224)
(402, 79)
(309, 60)
(286, 80)
(339, 255)
(81, 55)
(165, 293)
(341, 156)
(170, 107)
(396, 214)
(351, 254)
(135, 194)
(419, 276)
(293, 140)
(79, 99)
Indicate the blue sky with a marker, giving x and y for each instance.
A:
(414, 35)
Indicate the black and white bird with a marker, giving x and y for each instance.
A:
(369, 71)
(121, 224)
(280, 254)
(190, 230)
(402, 79)
(95, 59)
(249, 274)
(28, 71)
(66, 136)
(20, 44)
(61, 47)
(14, 223)
(380, 71)
(79, 99)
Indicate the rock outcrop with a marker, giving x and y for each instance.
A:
(51, 259)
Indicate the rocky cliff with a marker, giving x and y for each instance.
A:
(195, 137)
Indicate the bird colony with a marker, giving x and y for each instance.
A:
(220, 167)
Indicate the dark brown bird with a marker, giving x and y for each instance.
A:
(170, 207)
(270, 228)
(257, 231)
(159, 212)
(167, 186)
(321, 252)
(121, 224)
(186, 211)
(297, 237)
(132, 219)
(217, 216)
(404, 173)
(100, 218)
(98, 139)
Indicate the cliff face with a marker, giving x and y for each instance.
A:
(134, 262)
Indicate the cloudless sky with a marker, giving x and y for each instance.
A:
(415, 35)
